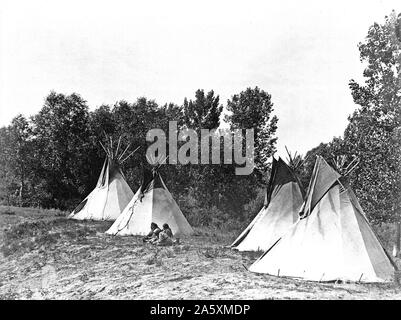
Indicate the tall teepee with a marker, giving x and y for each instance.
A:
(111, 194)
(333, 239)
(283, 199)
(151, 203)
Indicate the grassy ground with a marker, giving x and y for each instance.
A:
(45, 256)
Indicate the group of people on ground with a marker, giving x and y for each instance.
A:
(160, 237)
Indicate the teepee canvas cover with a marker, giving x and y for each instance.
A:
(280, 211)
(333, 239)
(110, 196)
(151, 203)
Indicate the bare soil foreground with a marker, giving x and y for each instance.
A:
(45, 256)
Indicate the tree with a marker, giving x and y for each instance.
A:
(63, 148)
(16, 146)
(102, 121)
(252, 109)
(201, 113)
(204, 112)
(373, 129)
(20, 151)
(133, 121)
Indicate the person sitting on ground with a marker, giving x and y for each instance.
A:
(166, 237)
(153, 233)
(167, 230)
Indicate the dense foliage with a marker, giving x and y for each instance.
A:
(53, 159)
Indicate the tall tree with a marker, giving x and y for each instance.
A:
(252, 109)
(205, 181)
(102, 121)
(62, 144)
(203, 112)
(373, 130)
(20, 152)
(16, 155)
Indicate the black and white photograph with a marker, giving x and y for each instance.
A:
(230, 151)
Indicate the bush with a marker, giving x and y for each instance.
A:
(213, 217)
(252, 208)
(386, 233)
(195, 214)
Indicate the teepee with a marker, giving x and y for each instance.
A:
(151, 203)
(283, 199)
(332, 240)
(111, 194)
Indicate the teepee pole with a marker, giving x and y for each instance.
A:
(161, 163)
(105, 150)
(352, 163)
(396, 247)
(352, 169)
(295, 160)
(118, 146)
(111, 147)
(164, 161)
(122, 161)
(289, 155)
(124, 152)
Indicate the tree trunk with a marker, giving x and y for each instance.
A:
(21, 193)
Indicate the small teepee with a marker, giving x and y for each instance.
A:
(283, 199)
(332, 240)
(151, 203)
(111, 194)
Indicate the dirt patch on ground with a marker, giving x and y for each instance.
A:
(78, 261)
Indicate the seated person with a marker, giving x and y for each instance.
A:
(165, 237)
(167, 230)
(153, 233)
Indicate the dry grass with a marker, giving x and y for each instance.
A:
(46, 256)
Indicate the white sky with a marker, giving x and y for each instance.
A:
(302, 52)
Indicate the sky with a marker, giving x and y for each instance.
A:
(301, 52)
